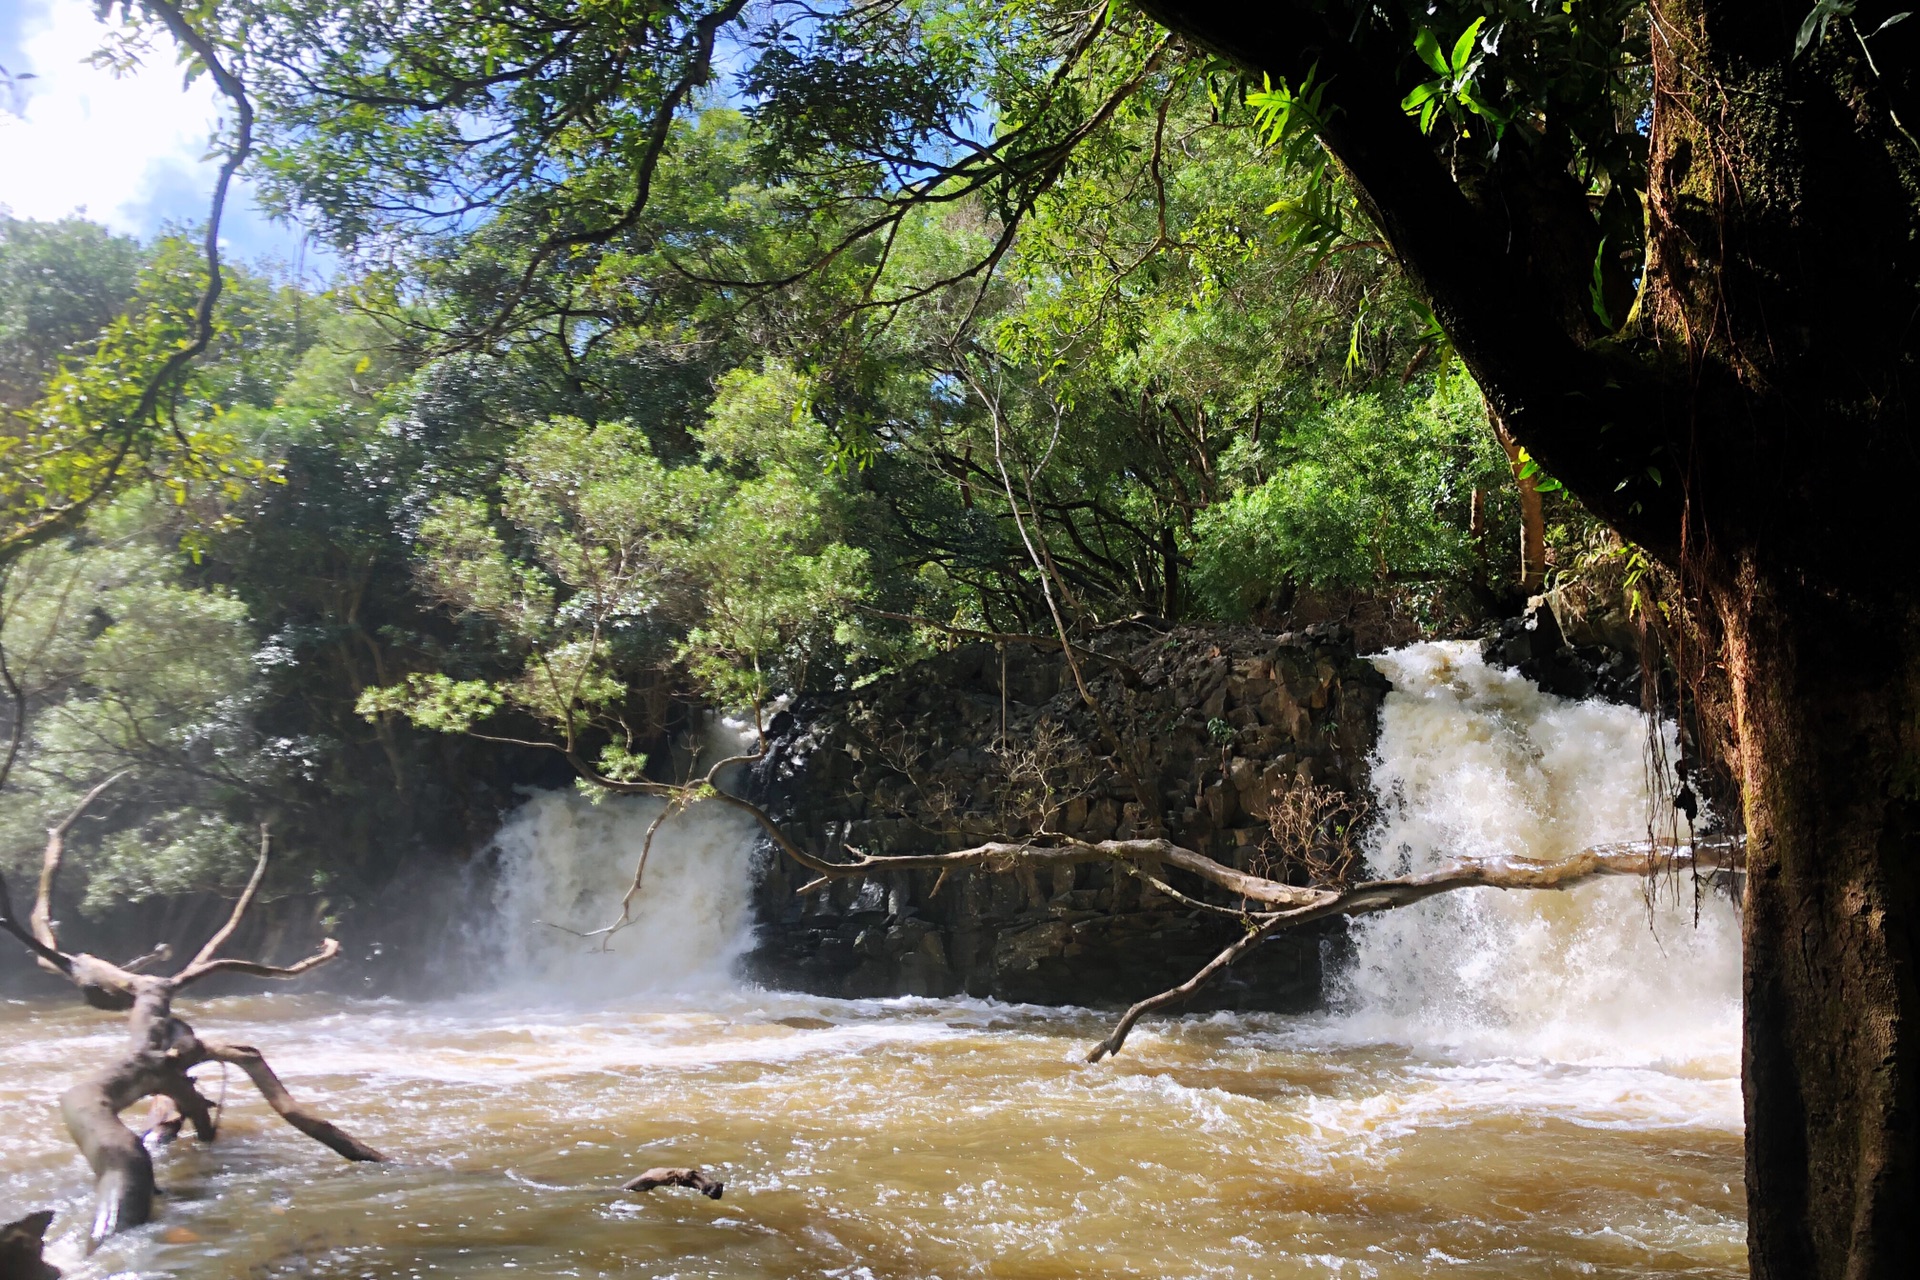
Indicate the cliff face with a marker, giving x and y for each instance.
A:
(988, 741)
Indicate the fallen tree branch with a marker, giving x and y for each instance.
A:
(675, 1178)
(322, 1131)
(1636, 858)
(164, 1049)
(55, 853)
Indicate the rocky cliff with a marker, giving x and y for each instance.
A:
(1214, 728)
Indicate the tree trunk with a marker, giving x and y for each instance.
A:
(1533, 518)
(1828, 700)
(1734, 427)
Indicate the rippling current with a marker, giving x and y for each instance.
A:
(1507, 1085)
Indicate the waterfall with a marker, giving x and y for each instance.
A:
(1475, 760)
(567, 858)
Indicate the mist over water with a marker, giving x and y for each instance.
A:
(1510, 1085)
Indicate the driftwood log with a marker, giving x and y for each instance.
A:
(20, 1245)
(675, 1178)
(162, 1050)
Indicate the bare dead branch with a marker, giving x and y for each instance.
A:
(159, 955)
(325, 1132)
(240, 905)
(254, 969)
(675, 1178)
(1639, 858)
(1174, 995)
(50, 860)
(56, 960)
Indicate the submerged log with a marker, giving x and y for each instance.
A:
(162, 1051)
(675, 1178)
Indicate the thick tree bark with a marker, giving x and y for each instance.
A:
(1829, 704)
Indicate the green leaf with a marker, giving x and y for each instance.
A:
(1596, 289)
(1463, 47)
(1428, 48)
(1814, 27)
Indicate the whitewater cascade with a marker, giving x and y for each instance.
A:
(1472, 760)
(567, 858)
(1476, 760)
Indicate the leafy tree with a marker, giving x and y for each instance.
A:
(1367, 489)
(122, 666)
(61, 284)
(598, 562)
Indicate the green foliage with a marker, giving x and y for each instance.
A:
(1370, 489)
(1453, 92)
(128, 666)
(598, 561)
(61, 284)
(101, 421)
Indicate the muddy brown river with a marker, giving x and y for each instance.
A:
(1507, 1085)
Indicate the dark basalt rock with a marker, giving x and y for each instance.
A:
(1535, 645)
(917, 763)
(21, 1242)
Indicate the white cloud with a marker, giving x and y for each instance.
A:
(130, 151)
(119, 148)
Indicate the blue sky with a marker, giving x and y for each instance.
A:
(130, 152)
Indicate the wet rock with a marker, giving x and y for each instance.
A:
(1535, 645)
(1219, 718)
(21, 1242)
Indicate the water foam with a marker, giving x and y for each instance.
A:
(1474, 760)
(567, 860)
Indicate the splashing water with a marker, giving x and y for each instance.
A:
(565, 861)
(1474, 761)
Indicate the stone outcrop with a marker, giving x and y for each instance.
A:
(994, 740)
(1576, 658)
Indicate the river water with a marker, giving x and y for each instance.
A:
(1507, 1085)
